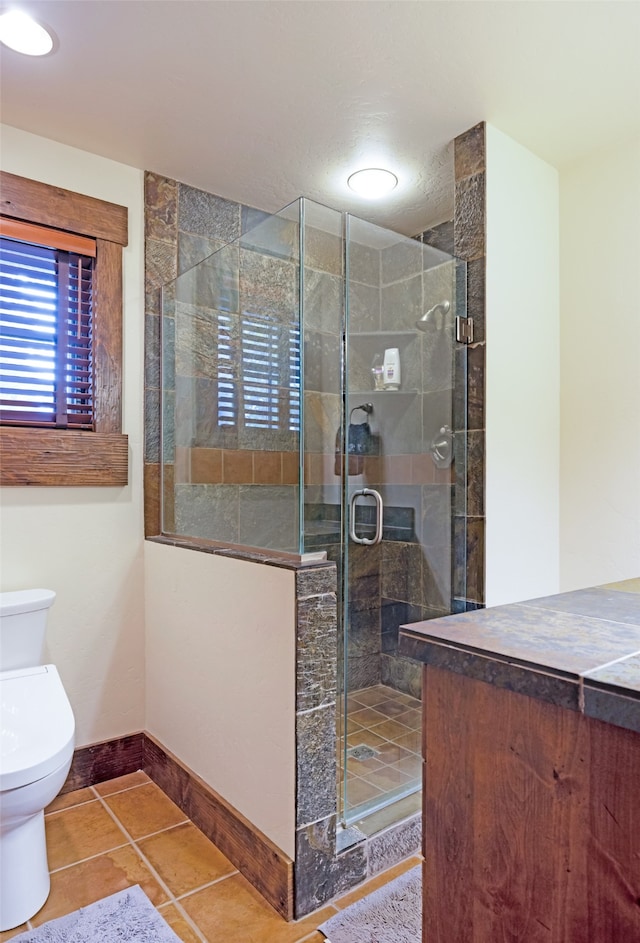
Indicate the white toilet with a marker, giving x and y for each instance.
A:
(37, 737)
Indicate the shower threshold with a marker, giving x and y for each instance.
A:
(393, 815)
(366, 816)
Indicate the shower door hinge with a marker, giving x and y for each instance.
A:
(464, 330)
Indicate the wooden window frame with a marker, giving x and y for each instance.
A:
(51, 457)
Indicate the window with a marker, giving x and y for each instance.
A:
(60, 337)
(46, 370)
(270, 372)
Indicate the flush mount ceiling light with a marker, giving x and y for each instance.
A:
(21, 33)
(373, 182)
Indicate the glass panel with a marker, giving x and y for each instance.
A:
(314, 399)
(399, 416)
(322, 302)
(231, 391)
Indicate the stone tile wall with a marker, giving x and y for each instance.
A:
(470, 245)
(183, 226)
(464, 236)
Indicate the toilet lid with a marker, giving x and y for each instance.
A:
(37, 725)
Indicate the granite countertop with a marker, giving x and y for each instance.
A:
(579, 650)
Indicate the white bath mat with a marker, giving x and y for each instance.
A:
(392, 914)
(125, 917)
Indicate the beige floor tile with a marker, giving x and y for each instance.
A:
(390, 730)
(178, 924)
(185, 859)
(367, 717)
(410, 718)
(372, 696)
(411, 765)
(412, 740)
(367, 737)
(359, 790)
(392, 708)
(227, 911)
(79, 832)
(144, 810)
(392, 752)
(362, 767)
(388, 778)
(77, 797)
(88, 881)
(138, 778)
(231, 911)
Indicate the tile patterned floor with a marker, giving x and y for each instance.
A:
(107, 837)
(389, 723)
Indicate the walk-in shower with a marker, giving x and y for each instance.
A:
(310, 408)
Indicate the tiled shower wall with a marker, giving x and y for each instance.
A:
(469, 234)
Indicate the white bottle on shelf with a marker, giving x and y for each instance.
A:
(392, 376)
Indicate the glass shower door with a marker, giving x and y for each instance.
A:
(397, 502)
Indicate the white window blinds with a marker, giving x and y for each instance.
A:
(269, 392)
(46, 366)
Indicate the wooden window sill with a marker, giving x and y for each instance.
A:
(52, 457)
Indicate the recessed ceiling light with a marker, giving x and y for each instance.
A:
(21, 33)
(373, 182)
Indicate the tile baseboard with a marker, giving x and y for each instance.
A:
(263, 864)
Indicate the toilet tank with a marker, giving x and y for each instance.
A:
(23, 624)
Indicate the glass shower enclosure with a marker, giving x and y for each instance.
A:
(313, 402)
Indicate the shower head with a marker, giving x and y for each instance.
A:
(430, 317)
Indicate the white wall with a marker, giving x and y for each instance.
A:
(522, 373)
(221, 678)
(600, 405)
(86, 543)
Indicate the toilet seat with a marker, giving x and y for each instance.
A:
(37, 728)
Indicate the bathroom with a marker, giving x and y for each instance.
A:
(119, 626)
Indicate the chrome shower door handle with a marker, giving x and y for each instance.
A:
(367, 541)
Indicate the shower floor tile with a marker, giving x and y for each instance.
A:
(390, 724)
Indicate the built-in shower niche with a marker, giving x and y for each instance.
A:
(267, 353)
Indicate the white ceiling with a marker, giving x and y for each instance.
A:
(262, 102)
